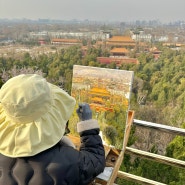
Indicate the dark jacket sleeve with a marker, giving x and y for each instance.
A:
(92, 154)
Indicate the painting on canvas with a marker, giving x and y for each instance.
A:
(108, 93)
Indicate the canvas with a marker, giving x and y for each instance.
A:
(108, 93)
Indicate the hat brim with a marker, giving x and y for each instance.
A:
(28, 139)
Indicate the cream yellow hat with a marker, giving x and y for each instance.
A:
(33, 115)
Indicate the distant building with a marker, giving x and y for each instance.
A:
(42, 41)
(140, 35)
(66, 42)
(120, 41)
(156, 53)
(102, 35)
(174, 46)
(163, 38)
(41, 34)
(119, 52)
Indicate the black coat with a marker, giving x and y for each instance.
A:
(59, 165)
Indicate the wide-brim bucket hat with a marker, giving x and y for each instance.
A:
(33, 115)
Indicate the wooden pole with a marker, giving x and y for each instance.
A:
(121, 155)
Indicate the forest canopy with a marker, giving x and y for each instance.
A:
(157, 94)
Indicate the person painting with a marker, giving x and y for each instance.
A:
(33, 148)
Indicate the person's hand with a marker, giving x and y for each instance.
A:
(84, 112)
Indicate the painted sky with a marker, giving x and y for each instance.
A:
(99, 10)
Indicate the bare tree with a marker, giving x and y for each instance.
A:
(17, 71)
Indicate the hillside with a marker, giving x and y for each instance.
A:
(157, 93)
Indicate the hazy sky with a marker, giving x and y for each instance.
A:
(104, 10)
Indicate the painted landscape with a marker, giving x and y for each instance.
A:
(108, 93)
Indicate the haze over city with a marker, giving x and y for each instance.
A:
(99, 10)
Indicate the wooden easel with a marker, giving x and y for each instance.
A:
(116, 154)
(114, 157)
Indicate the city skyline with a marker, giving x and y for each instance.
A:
(102, 10)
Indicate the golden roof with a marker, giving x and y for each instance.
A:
(120, 39)
(119, 50)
